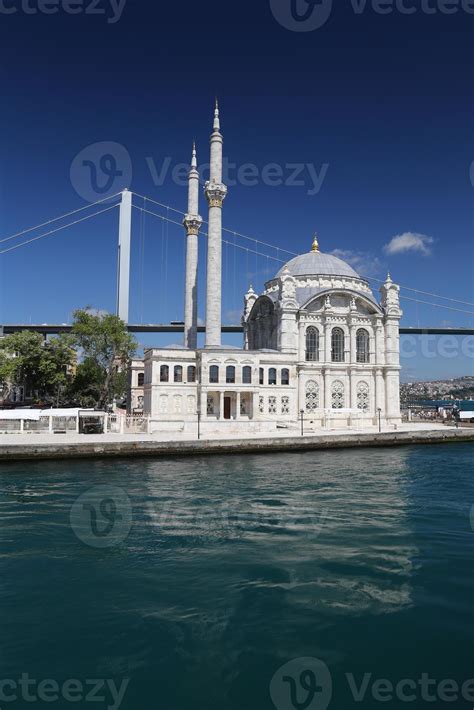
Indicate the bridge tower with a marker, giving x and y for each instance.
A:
(123, 274)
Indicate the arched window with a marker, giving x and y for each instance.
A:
(261, 376)
(312, 344)
(272, 376)
(285, 376)
(337, 392)
(363, 345)
(247, 375)
(363, 402)
(230, 374)
(312, 396)
(178, 373)
(337, 345)
(214, 374)
(164, 373)
(191, 373)
(141, 379)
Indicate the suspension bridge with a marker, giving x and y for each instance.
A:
(250, 248)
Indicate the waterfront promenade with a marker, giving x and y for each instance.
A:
(14, 447)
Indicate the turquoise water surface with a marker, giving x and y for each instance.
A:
(340, 579)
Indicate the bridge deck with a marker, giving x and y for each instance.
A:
(51, 329)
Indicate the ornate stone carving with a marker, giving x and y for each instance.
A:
(215, 193)
(192, 223)
(390, 293)
(249, 302)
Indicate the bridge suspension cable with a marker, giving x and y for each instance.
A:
(292, 253)
(58, 229)
(282, 261)
(168, 220)
(56, 219)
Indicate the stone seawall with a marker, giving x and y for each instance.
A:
(117, 449)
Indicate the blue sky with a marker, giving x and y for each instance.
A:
(369, 114)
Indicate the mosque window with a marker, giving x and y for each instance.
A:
(285, 405)
(191, 404)
(177, 404)
(247, 375)
(163, 404)
(312, 396)
(261, 405)
(261, 376)
(230, 375)
(141, 379)
(312, 344)
(272, 405)
(191, 373)
(337, 395)
(164, 373)
(285, 376)
(363, 345)
(178, 373)
(272, 376)
(337, 345)
(363, 396)
(214, 374)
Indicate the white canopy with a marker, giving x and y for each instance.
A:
(35, 414)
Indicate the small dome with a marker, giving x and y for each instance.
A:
(315, 263)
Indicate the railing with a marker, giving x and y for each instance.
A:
(129, 424)
(114, 424)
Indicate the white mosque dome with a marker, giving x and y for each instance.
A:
(315, 263)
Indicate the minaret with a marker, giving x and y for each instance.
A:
(215, 193)
(192, 223)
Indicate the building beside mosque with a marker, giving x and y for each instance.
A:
(317, 346)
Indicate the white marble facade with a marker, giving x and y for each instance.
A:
(318, 346)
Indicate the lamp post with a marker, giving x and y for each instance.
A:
(302, 421)
(379, 410)
(199, 421)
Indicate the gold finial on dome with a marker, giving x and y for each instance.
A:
(315, 246)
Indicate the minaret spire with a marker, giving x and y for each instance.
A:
(192, 224)
(215, 192)
(217, 123)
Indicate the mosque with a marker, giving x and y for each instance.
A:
(319, 350)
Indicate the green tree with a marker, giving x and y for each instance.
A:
(42, 367)
(107, 349)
